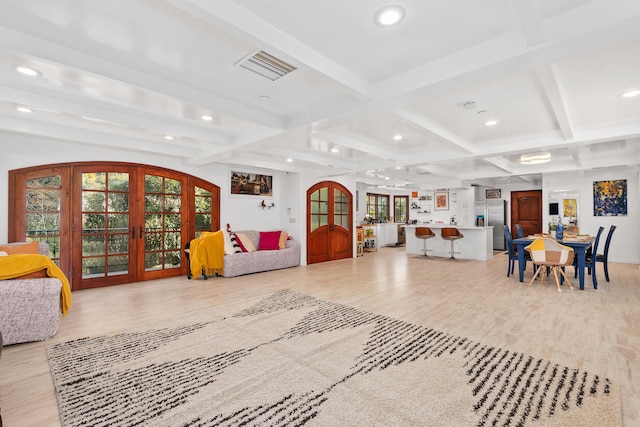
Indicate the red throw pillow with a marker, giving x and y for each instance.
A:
(269, 241)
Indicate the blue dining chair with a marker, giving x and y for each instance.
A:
(511, 250)
(604, 258)
(589, 260)
(519, 231)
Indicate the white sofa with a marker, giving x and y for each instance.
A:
(30, 309)
(254, 262)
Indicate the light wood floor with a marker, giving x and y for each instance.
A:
(598, 330)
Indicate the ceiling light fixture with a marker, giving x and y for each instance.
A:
(289, 159)
(631, 93)
(335, 150)
(206, 118)
(491, 122)
(397, 137)
(24, 109)
(535, 159)
(169, 137)
(389, 16)
(28, 71)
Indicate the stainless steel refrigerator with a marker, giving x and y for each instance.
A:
(497, 217)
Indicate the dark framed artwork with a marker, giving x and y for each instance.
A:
(610, 197)
(251, 184)
(493, 193)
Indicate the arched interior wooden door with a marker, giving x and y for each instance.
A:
(329, 229)
(526, 210)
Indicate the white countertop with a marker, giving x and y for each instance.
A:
(442, 225)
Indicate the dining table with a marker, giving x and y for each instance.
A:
(580, 246)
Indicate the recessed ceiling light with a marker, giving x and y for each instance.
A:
(335, 150)
(206, 118)
(289, 159)
(28, 71)
(397, 137)
(491, 122)
(631, 93)
(389, 15)
(168, 137)
(24, 109)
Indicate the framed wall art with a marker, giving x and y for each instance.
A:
(610, 197)
(251, 184)
(441, 201)
(493, 193)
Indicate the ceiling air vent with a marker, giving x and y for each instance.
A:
(266, 65)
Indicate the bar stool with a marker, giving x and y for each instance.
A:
(424, 233)
(452, 234)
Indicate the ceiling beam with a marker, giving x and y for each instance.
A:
(241, 23)
(550, 81)
(362, 144)
(434, 129)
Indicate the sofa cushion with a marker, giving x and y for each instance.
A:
(246, 242)
(21, 248)
(269, 241)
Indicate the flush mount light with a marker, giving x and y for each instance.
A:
(397, 137)
(631, 93)
(169, 137)
(335, 150)
(28, 71)
(206, 118)
(289, 159)
(535, 159)
(491, 122)
(24, 109)
(389, 16)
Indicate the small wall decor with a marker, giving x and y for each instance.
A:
(570, 208)
(495, 193)
(610, 197)
(442, 201)
(251, 184)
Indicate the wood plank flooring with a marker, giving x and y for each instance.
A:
(598, 330)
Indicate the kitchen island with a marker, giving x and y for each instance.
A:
(476, 244)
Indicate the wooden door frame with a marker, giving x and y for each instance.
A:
(17, 206)
(514, 208)
(330, 217)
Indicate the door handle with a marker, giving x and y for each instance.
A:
(141, 232)
(133, 232)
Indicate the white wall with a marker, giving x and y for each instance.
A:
(241, 212)
(625, 244)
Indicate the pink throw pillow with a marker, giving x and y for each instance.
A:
(269, 241)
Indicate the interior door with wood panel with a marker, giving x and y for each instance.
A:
(329, 219)
(526, 210)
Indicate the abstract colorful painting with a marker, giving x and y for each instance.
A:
(570, 208)
(610, 197)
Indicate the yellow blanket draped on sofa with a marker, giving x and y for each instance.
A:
(17, 265)
(207, 251)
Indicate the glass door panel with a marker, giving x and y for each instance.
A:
(105, 224)
(43, 212)
(162, 223)
(341, 208)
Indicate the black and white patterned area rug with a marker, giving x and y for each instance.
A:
(293, 360)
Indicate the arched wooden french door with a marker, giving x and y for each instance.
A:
(109, 223)
(329, 222)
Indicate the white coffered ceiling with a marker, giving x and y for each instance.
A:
(125, 73)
